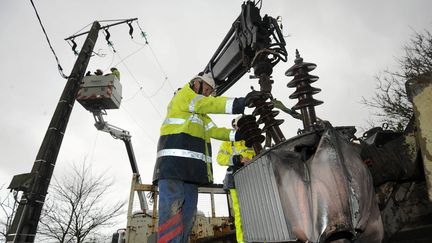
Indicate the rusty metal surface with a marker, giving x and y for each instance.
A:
(391, 156)
(420, 92)
(406, 211)
(327, 196)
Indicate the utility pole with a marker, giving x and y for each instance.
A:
(35, 184)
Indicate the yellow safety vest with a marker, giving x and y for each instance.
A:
(184, 149)
(225, 158)
(228, 149)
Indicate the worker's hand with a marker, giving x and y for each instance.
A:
(236, 159)
(254, 95)
(244, 160)
(251, 97)
(238, 135)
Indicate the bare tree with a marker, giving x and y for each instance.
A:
(78, 206)
(390, 98)
(7, 213)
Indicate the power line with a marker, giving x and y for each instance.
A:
(105, 27)
(49, 43)
(129, 55)
(142, 91)
(143, 35)
(122, 60)
(161, 68)
(123, 108)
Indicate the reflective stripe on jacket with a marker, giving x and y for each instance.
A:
(184, 150)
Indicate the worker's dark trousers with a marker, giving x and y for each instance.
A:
(177, 210)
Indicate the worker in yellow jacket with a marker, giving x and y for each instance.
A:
(234, 154)
(184, 153)
(115, 72)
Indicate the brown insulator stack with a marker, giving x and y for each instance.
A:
(248, 126)
(304, 91)
(263, 110)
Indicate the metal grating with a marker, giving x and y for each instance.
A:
(261, 210)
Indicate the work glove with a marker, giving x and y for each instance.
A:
(238, 105)
(236, 159)
(238, 135)
(254, 95)
(237, 164)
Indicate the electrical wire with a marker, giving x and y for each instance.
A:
(154, 56)
(122, 61)
(110, 43)
(133, 96)
(112, 20)
(59, 67)
(110, 65)
(142, 32)
(161, 68)
(260, 2)
(166, 79)
(81, 29)
(129, 55)
(136, 80)
(123, 108)
(93, 148)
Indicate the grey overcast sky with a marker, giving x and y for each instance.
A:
(350, 41)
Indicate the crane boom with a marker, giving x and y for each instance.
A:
(125, 136)
(250, 39)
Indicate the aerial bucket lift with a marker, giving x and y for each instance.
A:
(98, 93)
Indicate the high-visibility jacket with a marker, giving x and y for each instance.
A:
(225, 157)
(184, 149)
(116, 73)
(228, 149)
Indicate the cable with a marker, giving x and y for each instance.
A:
(49, 43)
(82, 28)
(155, 57)
(110, 65)
(109, 43)
(260, 2)
(123, 108)
(166, 79)
(142, 91)
(131, 54)
(142, 32)
(93, 148)
(111, 20)
(133, 96)
(160, 66)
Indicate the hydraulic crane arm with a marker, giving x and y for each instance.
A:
(125, 136)
(250, 39)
